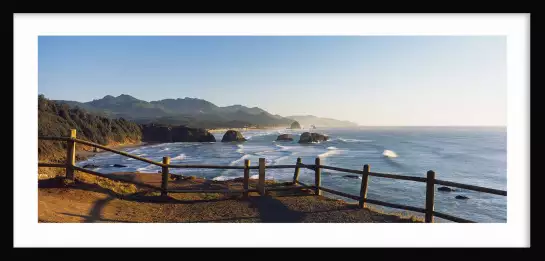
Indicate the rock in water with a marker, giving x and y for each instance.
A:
(308, 137)
(461, 197)
(90, 166)
(232, 135)
(351, 176)
(445, 189)
(119, 166)
(287, 137)
(295, 125)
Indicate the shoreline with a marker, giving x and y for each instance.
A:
(223, 130)
(84, 154)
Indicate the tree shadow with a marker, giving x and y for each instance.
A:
(95, 220)
(272, 210)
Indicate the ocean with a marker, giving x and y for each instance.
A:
(470, 155)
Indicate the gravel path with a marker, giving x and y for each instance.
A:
(85, 202)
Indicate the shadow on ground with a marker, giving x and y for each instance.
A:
(277, 207)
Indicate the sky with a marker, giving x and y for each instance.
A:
(370, 80)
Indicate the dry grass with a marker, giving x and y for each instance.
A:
(97, 199)
(400, 214)
(118, 187)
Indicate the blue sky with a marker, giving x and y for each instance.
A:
(371, 80)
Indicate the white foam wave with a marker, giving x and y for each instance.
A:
(147, 168)
(223, 178)
(133, 151)
(179, 157)
(329, 153)
(266, 177)
(283, 148)
(389, 154)
(331, 148)
(234, 162)
(240, 148)
(253, 135)
(353, 140)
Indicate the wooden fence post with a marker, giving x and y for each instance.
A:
(296, 174)
(246, 177)
(364, 184)
(164, 172)
(71, 155)
(317, 177)
(430, 195)
(261, 181)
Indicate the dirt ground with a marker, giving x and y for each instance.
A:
(87, 200)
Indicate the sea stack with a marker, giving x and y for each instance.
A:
(295, 125)
(232, 135)
(285, 137)
(308, 137)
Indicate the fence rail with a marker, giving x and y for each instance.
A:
(261, 188)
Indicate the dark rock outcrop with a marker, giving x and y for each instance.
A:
(89, 166)
(286, 137)
(351, 176)
(308, 137)
(119, 166)
(445, 189)
(461, 197)
(163, 133)
(295, 125)
(175, 177)
(232, 135)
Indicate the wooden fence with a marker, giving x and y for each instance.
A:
(261, 188)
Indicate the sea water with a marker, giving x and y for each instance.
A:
(470, 155)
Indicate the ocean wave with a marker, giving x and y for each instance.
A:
(259, 134)
(223, 178)
(240, 148)
(245, 156)
(179, 157)
(389, 154)
(133, 151)
(256, 176)
(353, 140)
(329, 153)
(331, 148)
(284, 148)
(147, 168)
(277, 160)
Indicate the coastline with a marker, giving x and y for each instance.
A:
(82, 155)
(223, 130)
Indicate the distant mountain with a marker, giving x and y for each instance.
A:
(194, 112)
(188, 111)
(237, 107)
(186, 106)
(307, 120)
